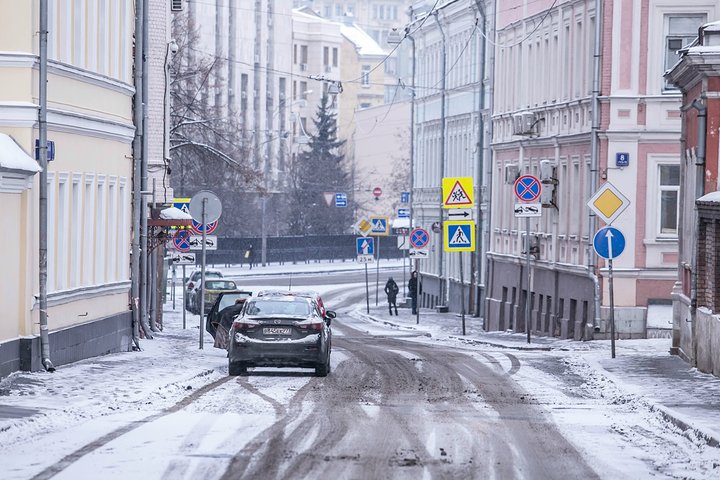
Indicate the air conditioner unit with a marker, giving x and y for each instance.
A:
(512, 172)
(523, 123)
(176, 5)
(547, 172)
(303, 67)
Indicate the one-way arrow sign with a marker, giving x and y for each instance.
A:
(460, 214)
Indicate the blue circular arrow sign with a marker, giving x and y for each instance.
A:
(609, 242)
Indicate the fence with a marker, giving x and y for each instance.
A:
(297, 249)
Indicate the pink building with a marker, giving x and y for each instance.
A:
(550, 96)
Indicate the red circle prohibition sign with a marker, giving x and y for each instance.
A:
(527, 188)
(181, 240)
(419, 237)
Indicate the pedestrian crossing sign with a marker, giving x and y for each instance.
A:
(459, 236)
(379, 226)
(457, 192)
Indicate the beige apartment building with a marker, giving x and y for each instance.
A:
(90, 48)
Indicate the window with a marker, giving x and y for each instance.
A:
(326, 56)
(669, 199)
(365, 74)
(303, 54)
(334, 57)
(680, 31)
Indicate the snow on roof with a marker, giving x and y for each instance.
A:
(364, 43)
(174, 213)
(710, 197)
(12, 157)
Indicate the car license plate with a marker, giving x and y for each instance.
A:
(277, 331)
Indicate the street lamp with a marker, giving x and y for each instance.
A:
(394, 38)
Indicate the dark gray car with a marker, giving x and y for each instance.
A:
(280, 331)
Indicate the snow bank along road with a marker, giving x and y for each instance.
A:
(398, 404)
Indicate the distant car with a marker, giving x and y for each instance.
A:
(191, 282)
(219, 320)
(210, 289)
(277, 330)
(301, 293)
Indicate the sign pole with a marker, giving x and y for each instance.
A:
(367, 290)
(462, 293)
(612, 295)
(202, 275)
(417, 293)
(184, 299)
(377, 272)
(172, 285)
(527, 267)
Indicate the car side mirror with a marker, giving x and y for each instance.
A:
(330, 314)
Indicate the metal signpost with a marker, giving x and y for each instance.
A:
(459, 230)
(379, 228)
(365, 249)
(419, 239)
(609, 242)
(206, 206)
(527, 189)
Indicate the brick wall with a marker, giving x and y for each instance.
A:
(708, 281)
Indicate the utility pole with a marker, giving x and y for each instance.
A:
(43, 190)
(443, 85)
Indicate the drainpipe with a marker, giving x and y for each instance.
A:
(43, 190)
(699, 192)
(444, 290)
(482, 221)
(487, 147)
(594, 161)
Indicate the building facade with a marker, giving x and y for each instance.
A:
(543, 126)
(447, 137)
(90, 48)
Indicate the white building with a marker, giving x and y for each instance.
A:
(447, 137)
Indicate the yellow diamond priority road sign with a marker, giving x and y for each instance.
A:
(608, 203)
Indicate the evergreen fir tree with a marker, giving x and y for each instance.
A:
(319, 169)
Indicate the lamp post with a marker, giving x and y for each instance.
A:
(443, 79)
(394, 38)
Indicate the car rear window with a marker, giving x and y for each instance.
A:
(220, 285)
(279, 307)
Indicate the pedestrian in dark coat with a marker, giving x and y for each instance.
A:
(224, 321)
(250, 255)
(391, 290)
(414, 288)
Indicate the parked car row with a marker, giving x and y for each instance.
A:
(273, 328)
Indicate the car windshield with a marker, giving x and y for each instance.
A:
(220, 285)
(293, 307)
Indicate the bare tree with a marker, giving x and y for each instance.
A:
(209, 147)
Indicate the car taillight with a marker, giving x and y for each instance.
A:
(243, 326)
(311, 326)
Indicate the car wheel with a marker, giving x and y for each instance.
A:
(236, 368)
(322, 370)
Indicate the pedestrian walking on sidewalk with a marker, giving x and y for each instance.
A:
(391, 290)
(250, 255)
(414, 289)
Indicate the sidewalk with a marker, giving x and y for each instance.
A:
(644, 368)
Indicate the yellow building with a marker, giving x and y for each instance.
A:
(90, 92)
